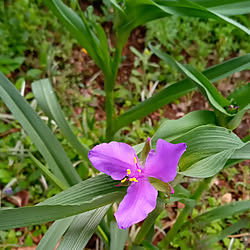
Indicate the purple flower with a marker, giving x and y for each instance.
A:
(120, 161)
(8, 191)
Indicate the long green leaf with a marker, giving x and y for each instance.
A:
(241, 96)
(219, 213)
(242, 153)
(54, 234)
(46, 98)
(190, 8)
(80, 30)
(132, 13)
(172, 129)
(206, 87)
(209, 166)
(87, 195)
(82, 228)
(179, 89)
(228, 8)
(243, 223)
(118, 237)
(39, 133)
(205, 141)
(47, 173)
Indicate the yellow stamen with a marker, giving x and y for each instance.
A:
(84, 51)
(123, 180)
(133, 179)
(139, 170)
(128, 171)
(135, 160)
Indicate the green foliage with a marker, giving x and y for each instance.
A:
(209, 147)
(22, 44)
(210, 39)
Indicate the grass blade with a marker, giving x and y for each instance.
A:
(132, 13)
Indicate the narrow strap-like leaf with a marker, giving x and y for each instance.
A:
(39, 133)
(78, 29)
(172, 129)
(219, 213)
(87, 195)
(118, 237)
(82, 228)
(175, 91)
(54, 234)
(46, 98)
(132, 14)
(47, 173)
(206, 87)
(243, 223)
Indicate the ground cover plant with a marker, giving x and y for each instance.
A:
(206, 142)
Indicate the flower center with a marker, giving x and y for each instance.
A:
(135, 175)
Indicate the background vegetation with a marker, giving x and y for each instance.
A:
(35, 45)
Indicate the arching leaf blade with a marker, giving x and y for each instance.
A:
(39, 133)
(175, 91)
(54, 234)
(82, 228)
(47, 100)
(90, 194)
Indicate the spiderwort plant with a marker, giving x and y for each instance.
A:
(119, 160)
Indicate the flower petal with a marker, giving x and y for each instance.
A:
(113, 159)
(139, 201)
(163, 164)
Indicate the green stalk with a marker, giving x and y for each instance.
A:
(109, 92)
(184, 214)
(109, 108)
(102, 235)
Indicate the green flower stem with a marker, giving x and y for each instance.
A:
(117, 59)
(202, 187)
(109, 108)
(102, 235)
(184, 214)
(109, 92)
